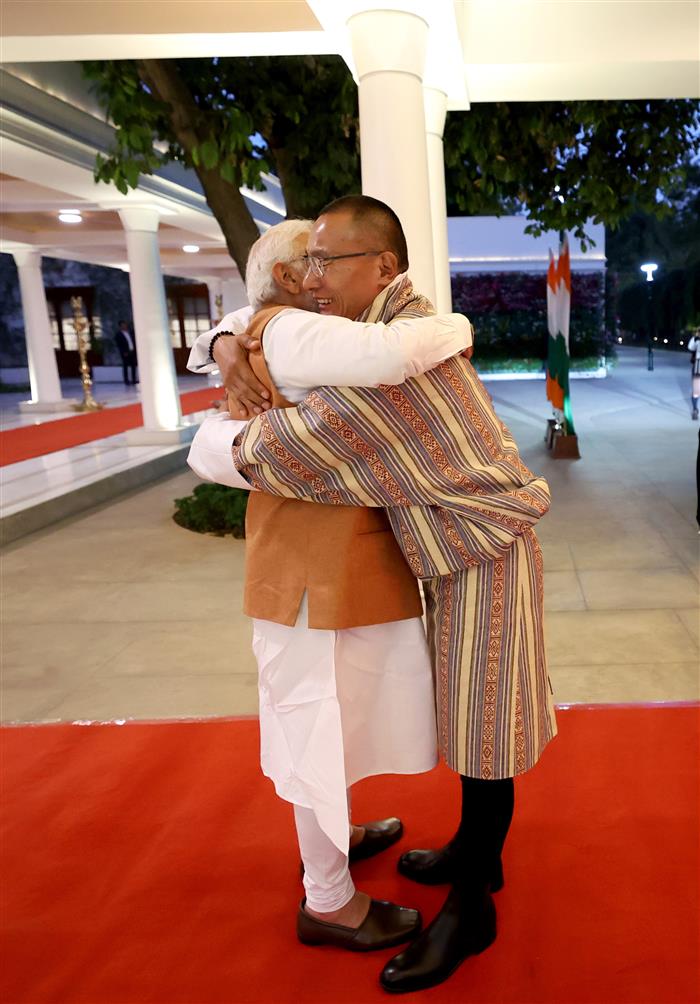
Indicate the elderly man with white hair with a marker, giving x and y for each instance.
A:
(345, 682)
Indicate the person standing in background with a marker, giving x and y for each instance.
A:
(127, 350)
(694, 349)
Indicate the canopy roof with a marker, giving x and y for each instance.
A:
(481, 50)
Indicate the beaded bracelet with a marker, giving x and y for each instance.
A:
(212, 343)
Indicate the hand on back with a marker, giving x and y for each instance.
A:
(247, 396)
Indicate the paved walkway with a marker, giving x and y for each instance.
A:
(121, 613)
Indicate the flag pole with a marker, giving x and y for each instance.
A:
(561, 434)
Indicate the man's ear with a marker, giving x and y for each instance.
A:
(388, 267)
(285, 277)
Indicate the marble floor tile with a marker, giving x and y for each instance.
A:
(196, 696)
(123, 602)
(622, 684)
(38, 655)
(617, 637)
(562, 591)
(208, 649)
(687, 548)
(691, 620)
(629, 551)
(638, 589)
(19, 704)
(557, 556)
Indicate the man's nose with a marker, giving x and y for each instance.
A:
(310, 280)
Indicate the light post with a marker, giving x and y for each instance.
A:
(649, 268)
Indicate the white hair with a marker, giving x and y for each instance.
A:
(276, 244)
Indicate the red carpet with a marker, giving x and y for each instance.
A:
(153, 863)
(62, 433)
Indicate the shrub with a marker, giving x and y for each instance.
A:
(213, 509)
(509, 313)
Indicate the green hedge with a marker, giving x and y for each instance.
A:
(509, 313)
(213, 509)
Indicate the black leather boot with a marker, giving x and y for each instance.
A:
(487, 811)
(466, 925)
(438, 867)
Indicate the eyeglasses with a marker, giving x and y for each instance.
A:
(319, 265)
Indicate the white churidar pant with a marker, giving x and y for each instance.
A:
(327, 880)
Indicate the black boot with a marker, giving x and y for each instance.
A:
(480, 800)
(437, 867)
(466, 925)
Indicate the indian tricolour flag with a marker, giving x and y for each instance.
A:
(558, 313)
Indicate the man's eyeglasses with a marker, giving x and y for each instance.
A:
(319, 265)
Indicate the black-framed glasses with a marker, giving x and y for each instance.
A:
(319, 265)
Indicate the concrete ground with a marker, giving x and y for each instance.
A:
(120, 613)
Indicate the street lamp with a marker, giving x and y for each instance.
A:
(649, 268)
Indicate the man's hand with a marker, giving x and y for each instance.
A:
(247, 397)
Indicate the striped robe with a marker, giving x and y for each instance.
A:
(462, 506)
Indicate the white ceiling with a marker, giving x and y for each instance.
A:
(509, 50)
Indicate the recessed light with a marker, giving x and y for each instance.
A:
(190, 248)
(68, 216)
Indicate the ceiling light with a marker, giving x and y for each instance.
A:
(190, 248)
(69, 216)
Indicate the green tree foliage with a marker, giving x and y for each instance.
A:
(566, 162)
(674, 244)
(230, 120)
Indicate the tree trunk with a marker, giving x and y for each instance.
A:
(297, 207)
(224, 199)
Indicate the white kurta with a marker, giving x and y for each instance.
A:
(335, 706)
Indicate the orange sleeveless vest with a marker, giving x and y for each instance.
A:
(345, 557)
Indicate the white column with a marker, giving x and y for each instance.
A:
(435, 114)
(160, 401)
(234, 294)
(388, 49)
(43, 371)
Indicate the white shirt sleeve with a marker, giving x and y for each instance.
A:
(210, 453)
(307, 350)
(237, 321)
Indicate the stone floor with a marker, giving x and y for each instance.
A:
(120, 613)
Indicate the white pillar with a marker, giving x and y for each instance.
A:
(388, 49)
(234, 294)
(43, 371)
(160, 401)
(435, 114)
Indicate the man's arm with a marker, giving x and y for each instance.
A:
(305, 350)
(383, 447)
(210, 452)
(200, 360)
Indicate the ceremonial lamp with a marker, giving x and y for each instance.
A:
(649, 268)
(80, 323)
